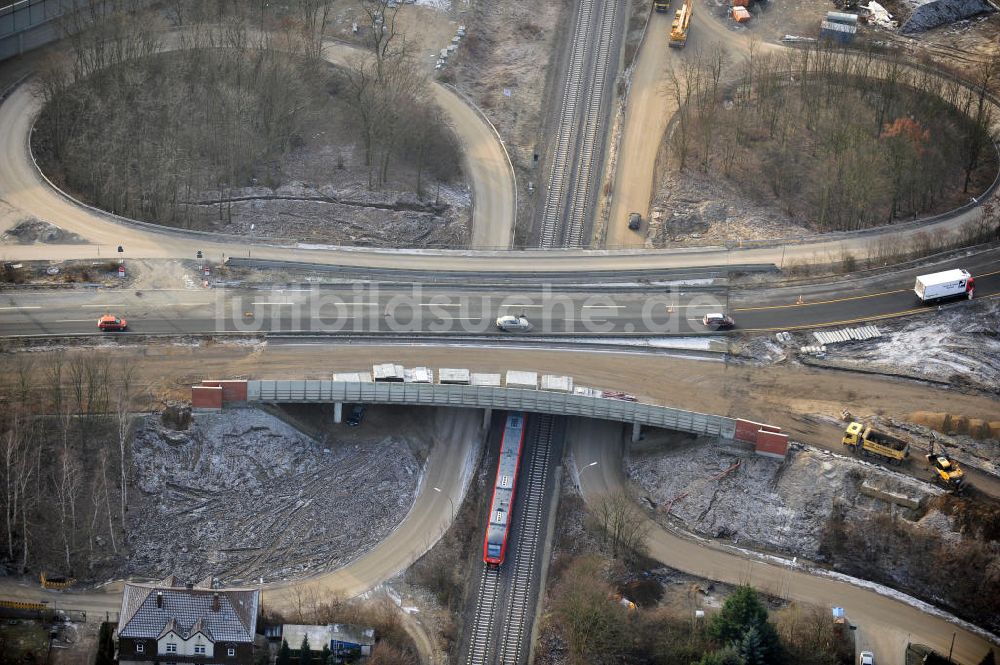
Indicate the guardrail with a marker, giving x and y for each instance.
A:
(516, 399)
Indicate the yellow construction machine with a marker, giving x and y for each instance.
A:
(679, 28)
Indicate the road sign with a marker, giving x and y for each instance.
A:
(121, 271)
(206, 270)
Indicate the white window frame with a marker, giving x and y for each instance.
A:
(231, 651)
(140, 647)
(171, 647)
(199, 649)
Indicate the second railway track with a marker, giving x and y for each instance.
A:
(573, 170)
(505, 602)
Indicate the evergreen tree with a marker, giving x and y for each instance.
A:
(725, 656)
(750, 648)
(325, 655)
(305, 653)
(284, 654)
(742, 611)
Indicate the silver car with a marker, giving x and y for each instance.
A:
(509, 323)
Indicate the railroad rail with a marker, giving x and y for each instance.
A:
(517, 622)
(573, 171)
(504, 606)
(482, 625)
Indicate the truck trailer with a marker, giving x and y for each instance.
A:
(869, 441)
(948, 284)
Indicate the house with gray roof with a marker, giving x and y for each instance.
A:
(171, 623)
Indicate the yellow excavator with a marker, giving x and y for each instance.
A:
(679, 27)
(947, 472)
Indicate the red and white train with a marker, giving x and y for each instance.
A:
(495, 546)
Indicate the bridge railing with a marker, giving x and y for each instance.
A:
(539, 401)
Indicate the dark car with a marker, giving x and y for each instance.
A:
(634, 221)
(718, 321)
(357, 415)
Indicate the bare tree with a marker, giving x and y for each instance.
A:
(382, 24)
(124, 406)
(622, 527)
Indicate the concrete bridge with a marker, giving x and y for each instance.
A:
(585, 402)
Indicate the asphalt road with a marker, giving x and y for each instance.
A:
(885, 624)
(610, 310)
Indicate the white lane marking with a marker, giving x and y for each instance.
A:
(435, 304)
(604, 306)
(102, 306)
(23, 307)
(275, 304)
(75, 321)
(523, 306)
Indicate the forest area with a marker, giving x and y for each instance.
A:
(65, 430)
(839, 140)
(181, 116)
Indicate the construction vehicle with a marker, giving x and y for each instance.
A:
(947, 471)
(679, 28)
(868, 441)
(661, 6)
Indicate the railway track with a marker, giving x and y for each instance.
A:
(529, 524)
(574, 165)
(505, 603)
(482, 628)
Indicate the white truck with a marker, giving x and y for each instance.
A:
(947, 284)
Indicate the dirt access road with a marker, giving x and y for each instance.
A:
(779, 394)
(23, 194)
(885, 624)
(650, 109)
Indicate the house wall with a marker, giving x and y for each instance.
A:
(186, 647)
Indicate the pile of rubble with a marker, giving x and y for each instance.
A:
(242, 495)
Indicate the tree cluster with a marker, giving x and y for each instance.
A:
(146, 133)
(65, 431)
(587, 623)
(963, 574)
(839, 139)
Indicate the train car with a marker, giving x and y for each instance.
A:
(495, 546)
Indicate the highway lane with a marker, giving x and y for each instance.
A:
(630, 309)
(887, 623)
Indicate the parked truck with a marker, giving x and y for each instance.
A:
(868, 441)
(947, 284)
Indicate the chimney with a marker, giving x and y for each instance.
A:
(189, 585)
(159, 599)
(215, 602)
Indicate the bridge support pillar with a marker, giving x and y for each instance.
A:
(338, 412)
(636, 432)
(487, 416)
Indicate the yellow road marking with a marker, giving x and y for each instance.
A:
(827, 302)
(821, 302)
(876, 317)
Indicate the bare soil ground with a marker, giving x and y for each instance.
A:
(811, 505)
(243, 495)
(504, 65)
(957, 346)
